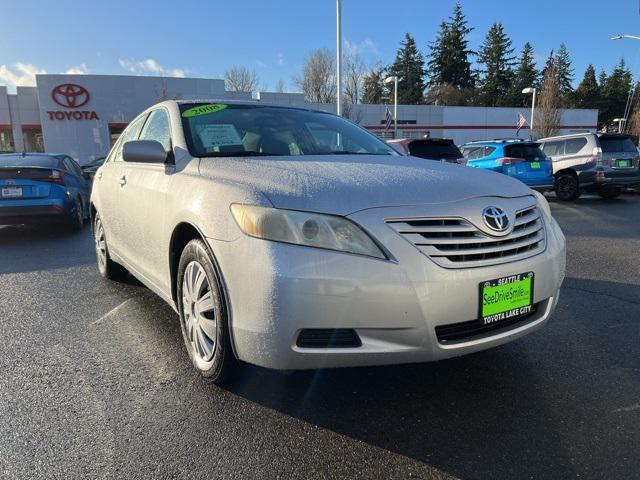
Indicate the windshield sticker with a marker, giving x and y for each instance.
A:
(203, 110)
(216, 135)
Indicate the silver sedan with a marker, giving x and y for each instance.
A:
(294, 239)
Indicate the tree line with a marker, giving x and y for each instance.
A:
(451, 73)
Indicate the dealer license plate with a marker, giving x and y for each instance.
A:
(535, 165)
(506, 298)
(624, 163)
(11, 192)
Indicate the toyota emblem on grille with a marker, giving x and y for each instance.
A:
(495, 218)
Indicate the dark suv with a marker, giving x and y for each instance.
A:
(441, 149)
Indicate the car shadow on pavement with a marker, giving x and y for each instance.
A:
(50, 247)
(509, 412)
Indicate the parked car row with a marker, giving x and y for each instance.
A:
(603, 163)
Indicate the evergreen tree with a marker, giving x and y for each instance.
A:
(550, 63)
(409, 68)
(449, 54)
(496, 58)
(526, 75)
(615, 90)
(587, 95)
(373, 87)
(562, 62)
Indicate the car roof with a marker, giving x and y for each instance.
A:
(563, 137)
(249, 103)
(499, 143)
(58, 156)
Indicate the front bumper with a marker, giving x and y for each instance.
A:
(276, 290)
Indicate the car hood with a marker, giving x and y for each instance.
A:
(348, 183)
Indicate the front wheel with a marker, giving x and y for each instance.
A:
(567, 187)
(76, 221)
(108, 268)
(203, 315)
(609, 193)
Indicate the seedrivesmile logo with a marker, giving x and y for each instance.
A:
(70, 95)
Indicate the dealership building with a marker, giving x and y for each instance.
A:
(82, 115)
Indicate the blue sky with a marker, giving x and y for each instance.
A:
(199, 38)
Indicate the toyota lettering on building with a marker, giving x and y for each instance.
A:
(71, 95)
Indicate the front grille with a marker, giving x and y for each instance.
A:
(457, 243)
(474, 329)
(328, 338)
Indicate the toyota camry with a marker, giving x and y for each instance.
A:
(295, 239)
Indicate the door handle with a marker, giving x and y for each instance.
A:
(99, 175)
(123, 180)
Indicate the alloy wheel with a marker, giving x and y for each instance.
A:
(101, 244)
(199, 314)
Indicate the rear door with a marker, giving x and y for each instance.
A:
(534, 167)
(554, 149)
(144, 199)
(619, 154)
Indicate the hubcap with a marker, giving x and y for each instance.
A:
(198, 310)
(101, 244)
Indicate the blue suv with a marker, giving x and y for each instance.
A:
(517, 158)
(36, 187)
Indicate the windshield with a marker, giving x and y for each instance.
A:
(220, 130)
(28, 161)
(435, 150)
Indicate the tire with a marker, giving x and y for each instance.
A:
(609, 193)
(76, 222)
(567, 187)
(108, 269)
(203, 314)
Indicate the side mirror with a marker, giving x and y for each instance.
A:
(144, 151)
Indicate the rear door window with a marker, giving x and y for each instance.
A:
(615, 144)
(574, 145)
(554, 148)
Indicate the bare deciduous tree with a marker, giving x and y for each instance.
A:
(547, 119)
(241, 79)
(280, 86)
(354, 73)
(318, 79)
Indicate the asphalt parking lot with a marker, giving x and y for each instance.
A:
(95, 382)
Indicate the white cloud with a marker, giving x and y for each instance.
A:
(77, 70)
(261, 64)
(19, 75)
(365, 46)
(150, 66)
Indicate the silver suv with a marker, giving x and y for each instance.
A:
(603, 163)
(294, 239)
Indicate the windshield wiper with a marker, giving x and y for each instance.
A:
(243, 153)
(347, 152)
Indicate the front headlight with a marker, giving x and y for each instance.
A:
(543, 204)
(305, 228)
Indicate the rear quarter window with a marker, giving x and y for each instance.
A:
(574, 145)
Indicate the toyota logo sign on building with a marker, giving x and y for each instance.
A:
(70, 95)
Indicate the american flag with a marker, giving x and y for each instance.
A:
(520, 123)
(389, 117)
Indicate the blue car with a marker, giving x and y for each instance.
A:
(36, 187)
(518, 159)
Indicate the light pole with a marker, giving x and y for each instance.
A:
(533, 106)
(387, 81)
(339, 57)
(627, 109)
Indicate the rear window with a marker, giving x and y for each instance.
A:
(528, 152)
(434, 150)
(29, 161)
(617, 144)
